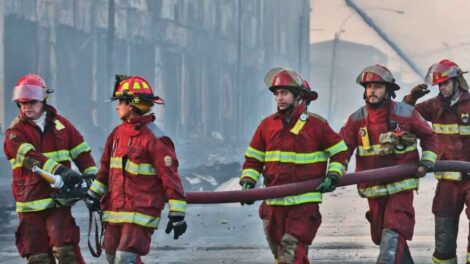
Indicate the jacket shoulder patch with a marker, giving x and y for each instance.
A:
(156, 131)
(14, 122)
(317, 116)
(360, 114)
(402, 109)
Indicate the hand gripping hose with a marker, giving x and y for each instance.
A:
(383, 174)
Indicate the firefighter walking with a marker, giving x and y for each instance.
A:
(449, 113)
(138, 172)
(385, 133)
(39, 136)
(290, 146)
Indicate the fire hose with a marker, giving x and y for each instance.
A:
(383, 174)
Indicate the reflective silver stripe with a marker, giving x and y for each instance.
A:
(310, 197)
(448, 175)
(79, 149)
(251, 173)
(59, 155)
(131, 217)
(34, 206)
(388, 189)
(374, 150)
(133, 168)
(177, 205)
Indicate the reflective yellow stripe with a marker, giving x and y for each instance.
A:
(134, 168)
(79, 149)
(388, 189)
(450, 129)
(131, 217)
(98, 187)
(33, 206)
(446, 128)
(336, 167)
(468, 256)
(59, 155)
(14, 164)
(297, 158)
(310, 197)
(337, 148)
(90, 170)
(445, 261)
(374, 150)
(429, 156)
(22, 150)
(251, 173)
(177, 205)
(49, 165)
(448, 175)
(256, 154)
(298, 126)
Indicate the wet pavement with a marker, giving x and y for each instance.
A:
(233, 234)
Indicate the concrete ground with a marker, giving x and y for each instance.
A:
(233, 234)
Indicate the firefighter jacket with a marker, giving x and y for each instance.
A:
(299, 150)
(362, 132)
(138, 173)
(26, 145)
(452, 127)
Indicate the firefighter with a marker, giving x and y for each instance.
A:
(138, 172)
(449, 114)
(40, 136)
(290, 146)
(384, 133)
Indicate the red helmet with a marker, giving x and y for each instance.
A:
(131, 87)
(30, 87)
(443, 71)
(287, 78)
(377, 74)
(309, 95)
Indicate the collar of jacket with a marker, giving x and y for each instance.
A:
(133, 126)
(378, 114)
(463, 97)
(296, 112)
(51, 114)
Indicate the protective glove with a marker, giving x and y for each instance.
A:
(328, 183)
(247, 185)
(69, 176)
(92, 202)
(416, 92)
(178, 225)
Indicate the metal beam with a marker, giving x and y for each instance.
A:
(384, 36)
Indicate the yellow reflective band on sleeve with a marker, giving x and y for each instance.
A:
(374, 150)
(79, 149)
(98, 188)
(34, 206)
(448, 175)
(133, 168)
(468, 256)
(298, 126)
(336, 167)
(177, 205)
(49, 165)
(429, 156)
(22, 150)
(337, 148)
(131, 217)
(445, 261)
(59, 155)
(389, 189)
(310, 197)
(256, 154)
(464, 130)
(250, 173)
(14, 164)
(296, 158)
(90, 170)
